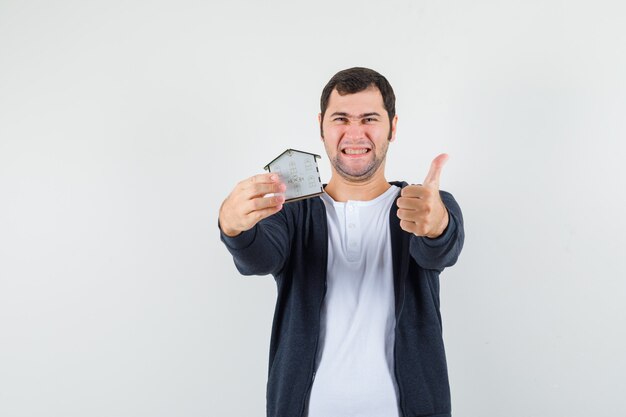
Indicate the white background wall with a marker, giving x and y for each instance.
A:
(123, 125)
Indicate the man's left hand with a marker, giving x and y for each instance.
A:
(420, 208)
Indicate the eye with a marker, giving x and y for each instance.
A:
(340, 119)
(370, 119)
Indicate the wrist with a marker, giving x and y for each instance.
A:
(442, 225)
(230, 232)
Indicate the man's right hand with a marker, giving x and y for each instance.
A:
(245, 206)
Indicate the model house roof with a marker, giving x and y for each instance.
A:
(290, 150)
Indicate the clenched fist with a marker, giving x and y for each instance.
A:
(420, 208)
(245, 206)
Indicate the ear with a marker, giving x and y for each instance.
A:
(319, 121)
(392, 134)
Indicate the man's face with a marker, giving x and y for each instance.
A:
(357, 133)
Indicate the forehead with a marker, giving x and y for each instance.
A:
(368, 100)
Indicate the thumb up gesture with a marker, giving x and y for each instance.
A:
(420, 208)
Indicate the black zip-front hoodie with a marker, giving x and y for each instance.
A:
(292, 245)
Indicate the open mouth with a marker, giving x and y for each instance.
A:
(357, 151)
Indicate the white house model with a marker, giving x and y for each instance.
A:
(299, 171)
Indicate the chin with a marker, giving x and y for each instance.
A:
(357, 175)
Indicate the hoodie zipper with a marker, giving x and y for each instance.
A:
(319, 318)
(403, 273)
(307, 395)
(395, 358)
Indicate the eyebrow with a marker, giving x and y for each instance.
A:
(360, 116)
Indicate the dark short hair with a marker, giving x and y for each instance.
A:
(354, 80)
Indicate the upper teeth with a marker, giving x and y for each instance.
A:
(354, 151)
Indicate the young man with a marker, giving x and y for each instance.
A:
(357, 327)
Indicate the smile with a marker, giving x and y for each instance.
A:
(359, 151)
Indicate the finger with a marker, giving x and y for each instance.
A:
(261, 189)
(411, 203)
(418, 213)
(259, 215)
(415, 191)
(255, 180)
(417, 228)
(432, 178)
(259, 204)
(408, 215)
(266, 178)
(406, 203)
(411, 227)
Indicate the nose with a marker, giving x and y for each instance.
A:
(354, 131)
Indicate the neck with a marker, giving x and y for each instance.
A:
(340, 189)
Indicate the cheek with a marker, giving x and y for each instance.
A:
(332, 135)
(380, 131)
(330, 144)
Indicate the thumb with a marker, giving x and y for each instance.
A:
(432, 179)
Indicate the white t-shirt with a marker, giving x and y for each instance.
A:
(355, 369)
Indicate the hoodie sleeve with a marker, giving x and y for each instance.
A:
(263, 249)
(442, 251)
